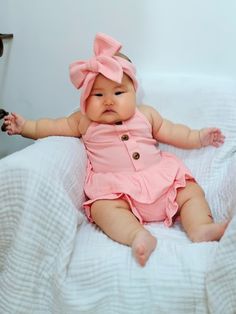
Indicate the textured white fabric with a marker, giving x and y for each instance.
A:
(53, 261)
(41, 188)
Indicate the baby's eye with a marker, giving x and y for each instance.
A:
(98, 94)
(119, 93)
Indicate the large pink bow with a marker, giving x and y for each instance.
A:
(83, 73)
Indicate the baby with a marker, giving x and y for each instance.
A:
(129, 180)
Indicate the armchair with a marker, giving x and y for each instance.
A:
(53, 261)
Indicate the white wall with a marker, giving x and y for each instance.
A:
(160, 36)
(191, 36)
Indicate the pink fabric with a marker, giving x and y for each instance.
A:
(83, 73)
(148, 183)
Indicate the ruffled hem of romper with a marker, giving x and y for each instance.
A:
(171, 206)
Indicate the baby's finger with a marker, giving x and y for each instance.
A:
(7, 122)
(9, 119)
(218, 143)
(6, 118)
(14, 114)
(214, 130)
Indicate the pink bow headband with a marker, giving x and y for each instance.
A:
(83, 73)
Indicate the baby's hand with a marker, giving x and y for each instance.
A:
(211, 136)
(14, 123)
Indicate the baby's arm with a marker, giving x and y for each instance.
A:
(35, 129)
(180, 135)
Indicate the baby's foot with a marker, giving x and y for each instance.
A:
(143, 245)
(209, 232)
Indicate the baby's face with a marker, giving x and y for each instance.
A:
(111, 102)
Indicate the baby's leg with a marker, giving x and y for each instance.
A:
(196, 215)
(118, 222)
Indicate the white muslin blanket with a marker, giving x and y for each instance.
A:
(53, 261)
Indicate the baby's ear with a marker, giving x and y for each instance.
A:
(3, 113)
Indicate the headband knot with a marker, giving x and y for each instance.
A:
(105, 61)
(92, 65)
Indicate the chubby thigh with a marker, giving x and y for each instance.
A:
(193, 206)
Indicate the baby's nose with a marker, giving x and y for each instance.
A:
(109, 101)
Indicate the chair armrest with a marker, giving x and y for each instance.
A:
(41, 186)
(41, 190)
(61, 160)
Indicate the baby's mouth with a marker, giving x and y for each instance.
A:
(108, 111)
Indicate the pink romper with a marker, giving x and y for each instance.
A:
(125, 162)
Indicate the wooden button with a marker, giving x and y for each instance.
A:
(136, 155)
(125, 137)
